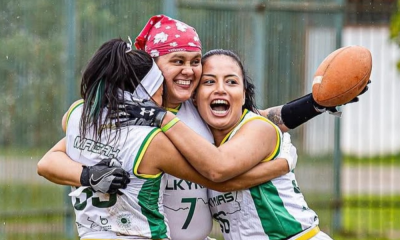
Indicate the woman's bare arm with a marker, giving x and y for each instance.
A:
(162, 155)
(58, 168)
(254, 142)
(275, 116)
(53, 164)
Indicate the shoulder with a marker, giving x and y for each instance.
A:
(66, 116)
(159, 152)
(260, 126)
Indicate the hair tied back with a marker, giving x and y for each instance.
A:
(129, 45)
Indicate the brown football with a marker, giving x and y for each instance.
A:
(342, 76)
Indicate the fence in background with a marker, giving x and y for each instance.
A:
(46, 44)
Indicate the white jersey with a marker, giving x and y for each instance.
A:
(137, 213)
(273, 210)
(185, 202)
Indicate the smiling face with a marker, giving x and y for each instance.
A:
(181, 71)
(220, 95)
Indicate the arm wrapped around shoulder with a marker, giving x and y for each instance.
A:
(140, 113)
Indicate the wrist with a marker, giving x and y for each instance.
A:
(170, 124)
(299, 111)
(84, 179)
(168, 117)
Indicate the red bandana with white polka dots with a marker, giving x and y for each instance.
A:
(163, 35)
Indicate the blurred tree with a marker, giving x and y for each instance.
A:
(395, 28)
(33, 56)
(30, 66)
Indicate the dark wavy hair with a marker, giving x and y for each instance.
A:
(111, 68)
(250, 101)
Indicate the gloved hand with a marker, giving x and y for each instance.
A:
(288, 151)
(334, 109)
(140, 112)
(107, 176)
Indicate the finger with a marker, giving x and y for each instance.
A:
(104, 162)
(127, 178)
(118, 180)
(364, 90)
(114, 163)
(356, 99)
(115, 186)
(119, 172)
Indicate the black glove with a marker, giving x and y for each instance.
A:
(299, 111)
(334, 109)
(141, 113)
(107, 176)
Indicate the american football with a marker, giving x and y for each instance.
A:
(342, 75)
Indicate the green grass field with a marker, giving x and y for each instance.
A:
(33, 212)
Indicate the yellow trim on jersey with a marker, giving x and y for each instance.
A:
(142, 151)
(308, 234)
(278, 135)
(71, 109)
(174, 110)
(229, 134)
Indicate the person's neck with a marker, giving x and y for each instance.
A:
(173, 106)
(219, 135)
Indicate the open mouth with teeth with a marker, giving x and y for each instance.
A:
(219, 106)
(184, 83)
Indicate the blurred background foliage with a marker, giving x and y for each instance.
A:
(395, 28)
(34, 52)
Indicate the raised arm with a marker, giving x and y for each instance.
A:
(299, 111)
(294, 113)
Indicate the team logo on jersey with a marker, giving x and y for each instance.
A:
(103, 221)
(124, 221)
(150, 112)
(95, 226)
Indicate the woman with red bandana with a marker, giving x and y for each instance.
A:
(98, 131)
(176, 48)
(185, 202)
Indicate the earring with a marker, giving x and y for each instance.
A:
(244, 99)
